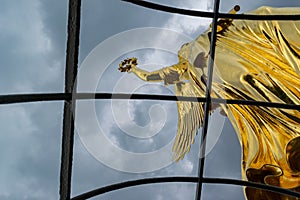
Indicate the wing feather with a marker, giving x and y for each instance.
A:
(190, 117)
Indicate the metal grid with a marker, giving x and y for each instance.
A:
(70, 96)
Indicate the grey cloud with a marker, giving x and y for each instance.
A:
(27, 61)
(31, 152)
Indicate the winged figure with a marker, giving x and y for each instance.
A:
(255, 60)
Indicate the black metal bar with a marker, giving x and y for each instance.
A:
(213, 39)
(210, 14)
(69, 105)
(184, 179)
(127, 184)
(27, 98)
(141, 97)
(169, 9)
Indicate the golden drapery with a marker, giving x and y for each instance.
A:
(259, 60)
(255, 60)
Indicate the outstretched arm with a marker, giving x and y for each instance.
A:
(155, 76)
(129, 65)
(169, 75)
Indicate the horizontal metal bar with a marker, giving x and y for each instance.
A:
(127, 184)
(183, 179)
(150, 97)
(195, 13)
(25, 98)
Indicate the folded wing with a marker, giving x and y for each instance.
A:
(190, 118)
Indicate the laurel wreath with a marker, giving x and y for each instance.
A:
(127, 64)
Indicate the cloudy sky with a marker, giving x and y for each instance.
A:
(32, 60)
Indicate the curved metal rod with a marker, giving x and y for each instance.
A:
(169, 9)
(127, 184)
(210, 14)
(26, 98)
(145, 181)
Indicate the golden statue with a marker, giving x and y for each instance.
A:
(255, 60)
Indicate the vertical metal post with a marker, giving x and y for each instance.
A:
(69, 105)
(208, 99)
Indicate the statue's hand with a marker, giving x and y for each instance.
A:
(127, 65)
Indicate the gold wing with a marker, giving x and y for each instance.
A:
(190, 118)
